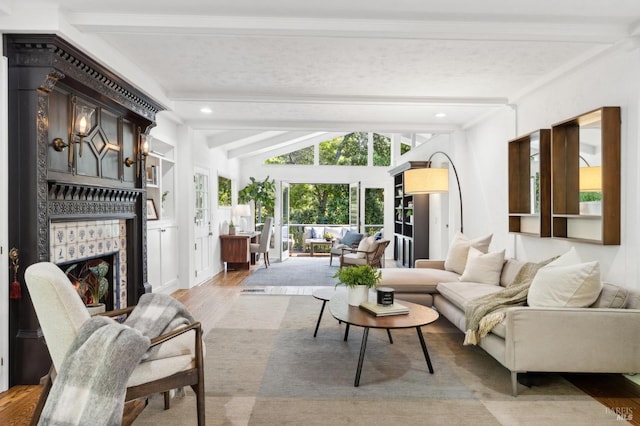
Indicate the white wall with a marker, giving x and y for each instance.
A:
(610, 80)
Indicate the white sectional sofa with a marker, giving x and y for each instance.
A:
(601, 338)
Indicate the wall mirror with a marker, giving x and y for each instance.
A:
(590, 164)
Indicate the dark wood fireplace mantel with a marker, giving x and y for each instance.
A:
(48, 79)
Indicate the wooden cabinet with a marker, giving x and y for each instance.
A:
(585, 155)
(235, 250)
(530, 184)
(411, 219)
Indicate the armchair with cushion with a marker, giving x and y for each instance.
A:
(177, 361)
(350, 239)
(369, 252)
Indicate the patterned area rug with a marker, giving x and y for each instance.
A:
(264, 367)
(295, 271)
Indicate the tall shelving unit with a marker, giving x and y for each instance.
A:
(162, 234)
(411, 219)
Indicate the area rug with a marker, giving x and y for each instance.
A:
(264, 367)
(295, 271)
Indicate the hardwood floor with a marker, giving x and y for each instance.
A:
(210, 301)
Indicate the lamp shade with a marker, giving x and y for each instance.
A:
(242, 210)
(426, 181)
(590, 179)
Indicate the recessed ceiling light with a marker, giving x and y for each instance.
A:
(441, 115)
(206, 110)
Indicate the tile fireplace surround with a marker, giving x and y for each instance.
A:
(76, 241)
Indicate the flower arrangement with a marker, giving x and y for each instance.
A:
(327, 236)
(90, 282)
(358, 275)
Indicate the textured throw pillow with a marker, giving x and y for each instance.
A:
(483, 268)
(571, 286)
(611, 296)
(459, 249)
(363, 246)
(351, 238)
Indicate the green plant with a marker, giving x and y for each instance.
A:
(590, 196)
(231, 225)
(410, 212)
(327, 236)
(358, 275)
(91, 282)
(263, 193)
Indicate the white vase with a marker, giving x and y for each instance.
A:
(358, 295)
(96, 308)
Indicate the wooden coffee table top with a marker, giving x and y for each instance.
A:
(418, 315)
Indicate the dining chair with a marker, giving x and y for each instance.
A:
(263, 245)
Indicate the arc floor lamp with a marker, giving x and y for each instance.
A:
(432, 180)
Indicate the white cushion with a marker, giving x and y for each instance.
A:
(366, 244)
(459, 249)
(483, 268)
(564, 283)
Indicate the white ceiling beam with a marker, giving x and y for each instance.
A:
(284, 139)
(342, 99)
(351, 126)
(490, 28)
(228, 137)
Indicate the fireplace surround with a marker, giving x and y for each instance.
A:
(62, 184)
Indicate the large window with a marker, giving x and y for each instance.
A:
(302, 156)
(319, 203)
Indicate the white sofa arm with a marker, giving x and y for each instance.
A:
(572, 340)
(427, 263)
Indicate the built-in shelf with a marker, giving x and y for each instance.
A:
(587, 143)
(530, 184)
(411, 221)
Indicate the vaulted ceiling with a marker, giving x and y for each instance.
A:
(280, 74)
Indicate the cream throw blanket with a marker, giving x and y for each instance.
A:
(484, 313)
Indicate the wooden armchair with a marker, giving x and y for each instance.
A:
(61, 313)
(374, 256)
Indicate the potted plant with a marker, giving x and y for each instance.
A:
(358, 280)
(91, 283)
(328, 236)
(262, 193)
(591, 203)
(232, 228)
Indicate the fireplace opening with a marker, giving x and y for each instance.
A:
(85, 275)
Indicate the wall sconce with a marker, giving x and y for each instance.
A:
(143, 151)
(82, 126)
(431, 181)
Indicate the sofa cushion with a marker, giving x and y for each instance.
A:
(611, 296)
(460, 293)
(415, 280)
(564, 284)
(500, 329)
(459, 250)
(351, 238)
(317, 232)
(483, 268)
(510, 270)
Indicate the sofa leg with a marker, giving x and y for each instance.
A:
(514, 383)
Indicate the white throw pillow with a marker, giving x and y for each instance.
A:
(365, 245)
(459, 250)
(560, 285)
(483, 268)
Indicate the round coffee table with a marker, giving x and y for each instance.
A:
(324, 294)
(417, 317)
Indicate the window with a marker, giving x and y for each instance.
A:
(224, 191)
(302, 156)
(373, 210)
